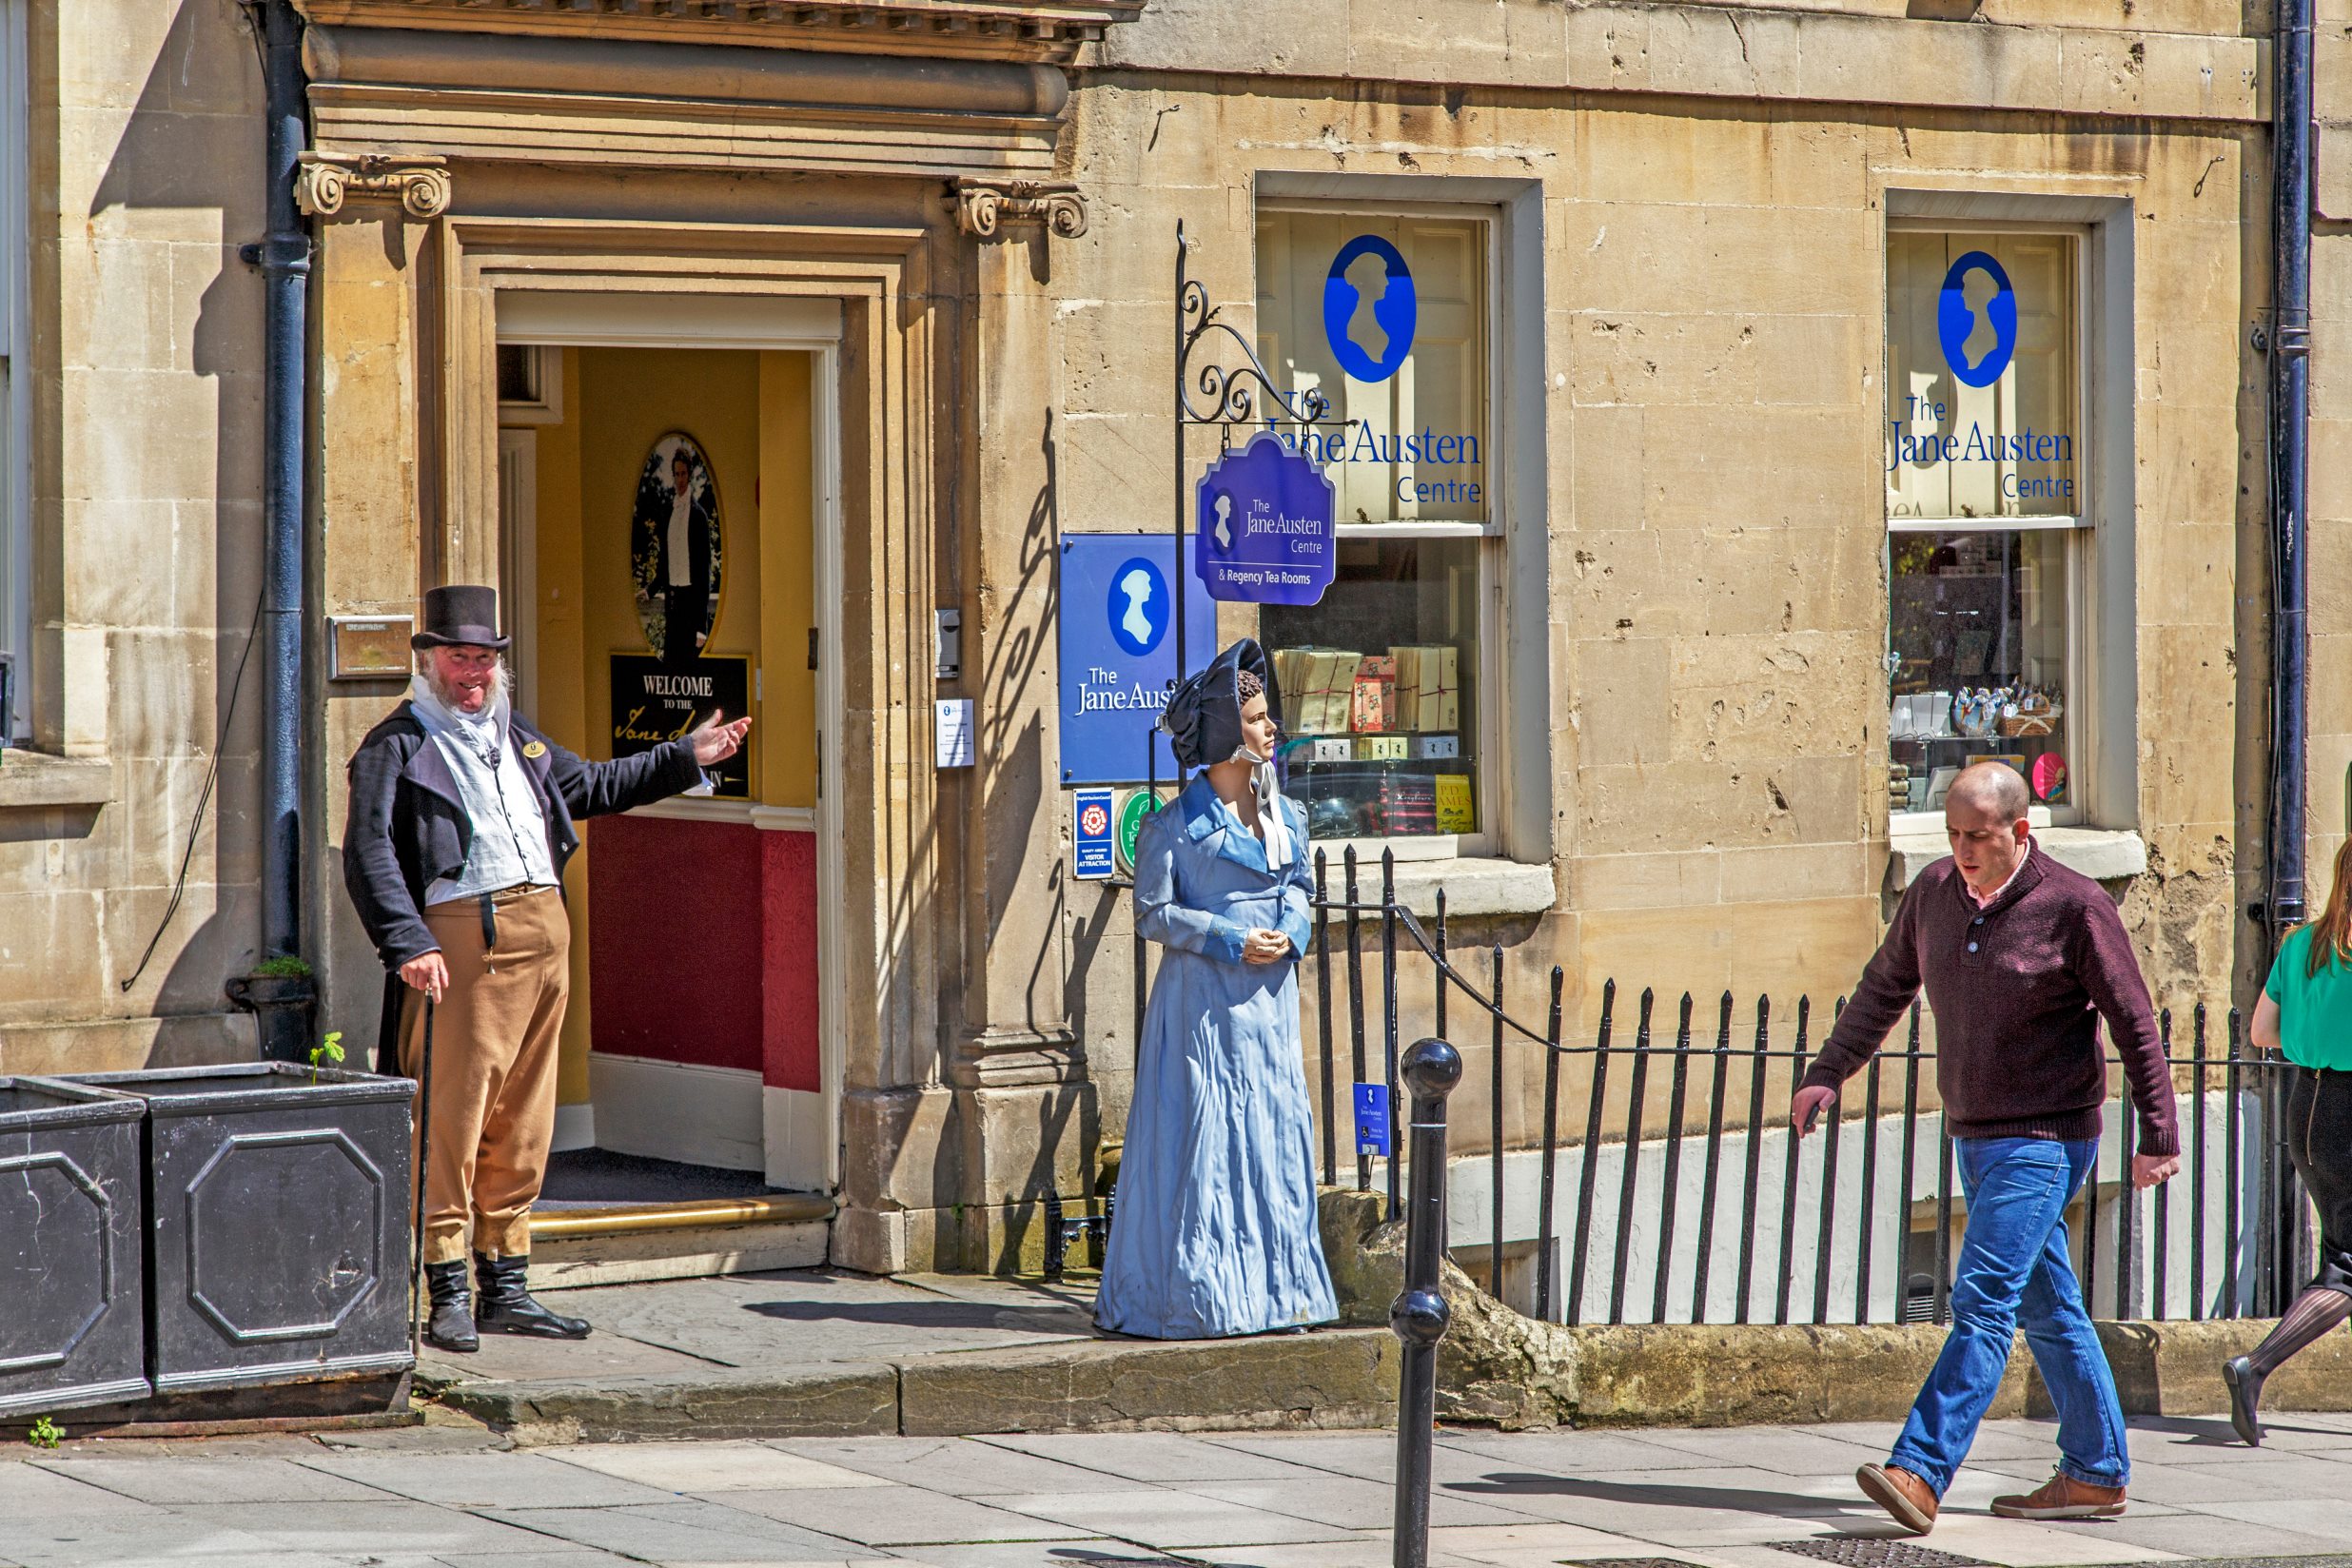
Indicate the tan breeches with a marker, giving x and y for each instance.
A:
(493, 1070)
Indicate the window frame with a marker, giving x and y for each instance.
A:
(1489, 738)
(2086, 737)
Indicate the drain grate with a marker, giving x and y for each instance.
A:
(1875, 1551)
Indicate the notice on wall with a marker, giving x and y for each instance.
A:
(656, 701)
(951, 731)
(1092, 834)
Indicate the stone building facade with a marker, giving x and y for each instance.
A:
(1729, 389)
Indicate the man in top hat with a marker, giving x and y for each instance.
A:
(461, 823)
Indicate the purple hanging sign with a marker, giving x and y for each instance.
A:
(1265, 526)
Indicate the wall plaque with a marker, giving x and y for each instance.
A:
(369, 647)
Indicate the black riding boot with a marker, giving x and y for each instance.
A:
(507, 1306)
(451, 1324)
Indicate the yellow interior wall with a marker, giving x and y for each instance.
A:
(561, 698)
(751, 412)
(785, 731)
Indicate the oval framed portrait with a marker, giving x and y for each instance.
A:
(676, 556)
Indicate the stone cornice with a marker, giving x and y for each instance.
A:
(1041, 30)
(986, 209)
(327, 180)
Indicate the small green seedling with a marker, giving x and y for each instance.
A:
(327, 1052)
(283, 967)
(45, 1433)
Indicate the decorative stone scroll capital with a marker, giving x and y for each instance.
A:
(326, 180)
(984, 208)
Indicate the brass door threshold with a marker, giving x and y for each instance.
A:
(694, 1214)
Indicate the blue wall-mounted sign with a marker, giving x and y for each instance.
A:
(1986, 324)
(1094, 834)
(1372, 1118)
(1266, 533)
(1117, 623)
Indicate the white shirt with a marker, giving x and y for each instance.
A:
(509, 845)
(681, 525)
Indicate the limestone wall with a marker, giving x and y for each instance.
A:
(145, 362)
(1711, 532)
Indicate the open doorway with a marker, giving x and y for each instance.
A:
(669, 546)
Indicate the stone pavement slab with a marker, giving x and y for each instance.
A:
(699, 1467)
(959, 1466)
(683, 1530)
(480, 1479)
(899, 1516)
(205, 1480)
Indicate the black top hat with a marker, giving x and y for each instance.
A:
(460, 612)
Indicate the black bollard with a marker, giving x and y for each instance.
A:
(1430, 1069)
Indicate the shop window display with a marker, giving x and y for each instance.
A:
(1978, 628)
(1380, 689)
(1387, 314)
(1986, 503)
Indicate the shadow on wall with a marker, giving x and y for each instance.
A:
(173, 349)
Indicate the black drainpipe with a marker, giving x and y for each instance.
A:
(281, 1003)
(2290, 407)
(2283, 907)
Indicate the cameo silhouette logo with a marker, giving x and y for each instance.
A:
(1370, 308)
(1976, 320)
(1139, 606)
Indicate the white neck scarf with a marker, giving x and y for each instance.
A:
(483, 733)
(1273, 831)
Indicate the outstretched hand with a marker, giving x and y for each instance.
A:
(716, 742)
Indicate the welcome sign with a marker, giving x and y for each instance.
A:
(656, 701)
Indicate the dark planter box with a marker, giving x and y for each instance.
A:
(278, 1223)
(73, 1329)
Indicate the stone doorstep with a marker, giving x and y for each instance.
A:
(573, 1263)
(1332, 1378)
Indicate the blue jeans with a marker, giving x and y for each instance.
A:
(2014, 1266)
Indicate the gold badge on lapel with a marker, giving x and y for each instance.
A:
(535, 750)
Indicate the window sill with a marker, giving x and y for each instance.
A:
(1479, 886)
(36, 780)
(2104, 854)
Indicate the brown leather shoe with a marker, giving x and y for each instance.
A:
(2062, 1497)
(1909, 1500)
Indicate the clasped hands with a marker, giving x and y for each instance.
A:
(1264, 947)
(1807, 1105)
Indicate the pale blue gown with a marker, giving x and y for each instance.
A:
(1215, 1229)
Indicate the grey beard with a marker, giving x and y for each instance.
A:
(502, 685)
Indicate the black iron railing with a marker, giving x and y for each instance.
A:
(1726, 1217)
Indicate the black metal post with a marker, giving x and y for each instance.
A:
(285, 260)
(1430, 1068)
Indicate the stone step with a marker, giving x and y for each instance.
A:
(572, 1248)
(1327, 1380)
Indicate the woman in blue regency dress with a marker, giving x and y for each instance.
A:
(1216, 1229)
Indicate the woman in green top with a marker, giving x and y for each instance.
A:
(2305, 1014)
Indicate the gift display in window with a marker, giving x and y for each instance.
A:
(1977, 659)
(1357, 756)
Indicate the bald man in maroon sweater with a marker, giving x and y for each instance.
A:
(2020, 958)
